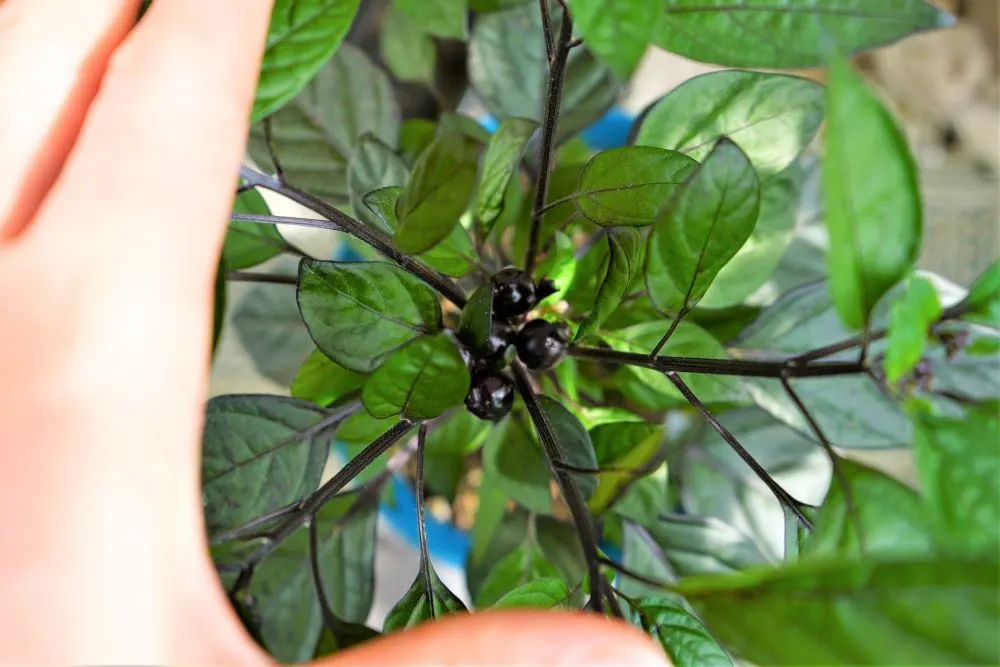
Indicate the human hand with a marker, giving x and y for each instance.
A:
(120, 150)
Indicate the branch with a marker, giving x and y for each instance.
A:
(325, 493)
(339, 221)
(250, 277)
(550, 122)
(785, 498)
(547, 30)
(707, 366)
(571, 493)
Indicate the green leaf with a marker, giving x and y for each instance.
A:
(642, 554)
(704, 226)
(360, 429)
(492, 506)
(248, 243)
(437, 193)
(460, 433)
(323, 381)
(683, 637)
(524, 564)
(258, 454)
(419, 381)
(507, 67)
(890, 516)
(302, 36)
(503, 154)
(959, 466)
(625, 445)
(912, 318)
(618, 32)
(345, 636)
(940, 611)
(544, 593)
(517, 463)
(771, 117)
(316, 133)
(688, 340)
(757, 260)
(415, 135)
(359, 313)
(983, 301)
(420, 604)
(373, 166)
(454, 256)
(219, 294)
(476, 324)
(703, 545)
(573, 441)
(442, 18)
(616, 275)
(406, 49)
(283, 583)
(559, 265)
(269, 326)
(630, 185)
(871, 193)
(787, 35)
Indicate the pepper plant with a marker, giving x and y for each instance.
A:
(637, 349)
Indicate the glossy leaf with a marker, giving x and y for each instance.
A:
(442, 18)
(705, 225)
(269, 326)
(454, 256)
(258, 454)
(419, 381)
(359, 313)
(631, 185)
(316, 133)
(248, 243)
(507, 67)
(618, 32)
(624, 445)
(683, 637)
(573, 441)
(407, 50)
(935, 611)
(544, 593)
(616, 275)
(760, 256)
(959, 466)
(323, 381)
(503, 155)
(283, 586)
(419, 604)
(909, 326)
(559, 265)
(688, 340)
(524, 564)
(703, 545)
(373, 166)
(889, 516)
(983, 301)
(476, 324)
(790, 34)
(302, 36)
(437, 193)
(871, 194)
(771, 117)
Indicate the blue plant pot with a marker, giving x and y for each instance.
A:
(447, 543)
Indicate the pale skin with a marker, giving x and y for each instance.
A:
(119, 148)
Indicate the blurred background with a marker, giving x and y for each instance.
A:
(943, 86)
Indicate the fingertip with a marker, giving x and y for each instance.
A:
(512, 637)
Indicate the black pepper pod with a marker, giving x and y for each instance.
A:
(490, 397)
(541, 344)
(513, 294)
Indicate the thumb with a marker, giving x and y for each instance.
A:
(511, 638)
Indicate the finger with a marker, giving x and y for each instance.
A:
(52, 56)
(163, 139)
(510, 638)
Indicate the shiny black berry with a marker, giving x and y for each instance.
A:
(541, 344)
(513, 294)
(490, 397)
